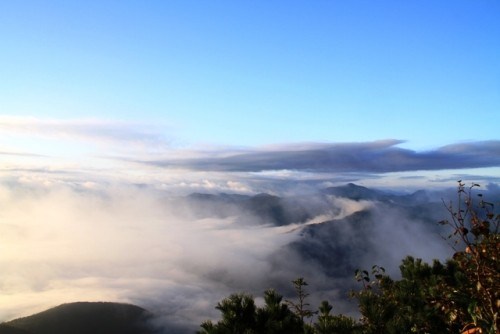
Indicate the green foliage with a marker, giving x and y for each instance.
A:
(238, 316)
(409, 305)
(275, 317)
(334, 324)
(475, 229)
(241, 316)
(301, 306)
(462, 294)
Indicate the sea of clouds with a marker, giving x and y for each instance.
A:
(63, 242)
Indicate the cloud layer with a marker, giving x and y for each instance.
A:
(63, 243)
(100, 152)
(371, 157)
(149, 144)
(96, 131)
(125, 244)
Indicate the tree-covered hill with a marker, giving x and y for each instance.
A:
(84, 318)
(6, 329)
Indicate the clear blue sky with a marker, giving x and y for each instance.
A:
(259, 72)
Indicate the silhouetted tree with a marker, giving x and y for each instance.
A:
(301, 307)
(275, 317)
(241, 316)
(334, 324)
(238, 316)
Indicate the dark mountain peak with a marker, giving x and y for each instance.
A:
(221, 197)
(202, 196)
(355, 192)
(84, 307)
(85, 318)
(420, 195)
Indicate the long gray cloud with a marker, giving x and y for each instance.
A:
(375, 157)
(381, 156)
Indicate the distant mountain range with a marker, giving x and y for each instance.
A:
(270, 209)
(353, 226)
(355, 192)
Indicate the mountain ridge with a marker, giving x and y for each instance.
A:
(84, 318)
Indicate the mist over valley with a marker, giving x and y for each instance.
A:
(177, 256)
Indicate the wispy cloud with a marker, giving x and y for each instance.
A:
(92, 130)
(96, 150)
(22, 154)
(382, 156)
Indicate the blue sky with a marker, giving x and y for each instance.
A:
(231, 75)
(262, 72)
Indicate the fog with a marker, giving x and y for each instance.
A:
(123, 244)
(64, 242)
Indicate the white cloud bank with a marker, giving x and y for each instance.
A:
(65, 242)
(125, 244)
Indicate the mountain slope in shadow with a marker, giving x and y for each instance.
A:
(6, 329)
(84, 318)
